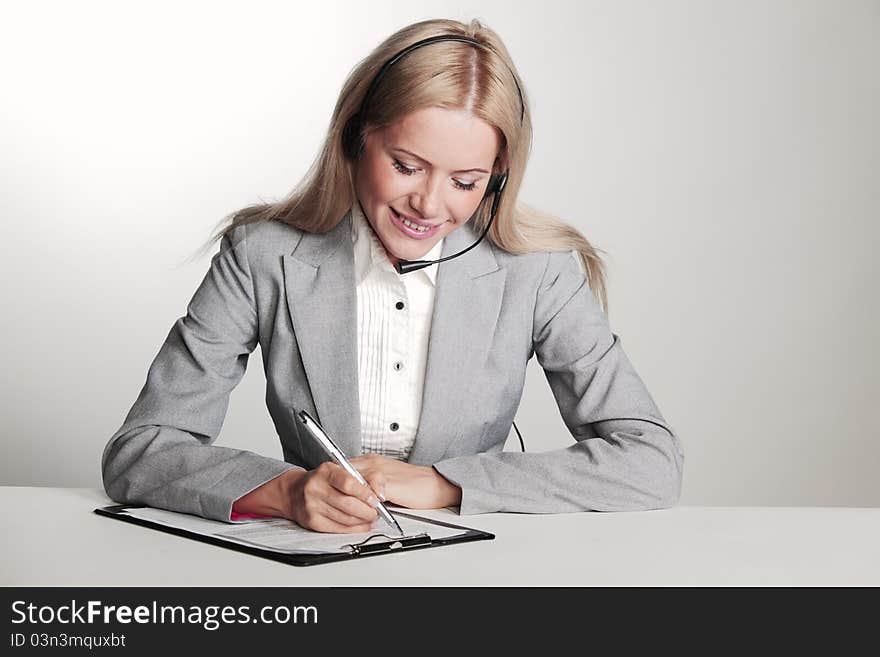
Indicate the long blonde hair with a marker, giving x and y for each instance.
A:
(477, 80)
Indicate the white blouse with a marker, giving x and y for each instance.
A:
(393, 326)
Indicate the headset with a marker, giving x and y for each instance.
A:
(353, 146)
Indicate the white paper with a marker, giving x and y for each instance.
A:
(285, 536)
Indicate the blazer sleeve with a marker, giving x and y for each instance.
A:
(625, 458)
(163, 454)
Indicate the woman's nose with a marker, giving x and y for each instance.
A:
(427, 200)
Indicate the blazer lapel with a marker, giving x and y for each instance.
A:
(321, 297)
(467, 301)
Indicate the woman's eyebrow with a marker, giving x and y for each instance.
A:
(421, 159)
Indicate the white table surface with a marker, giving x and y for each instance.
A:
(52, 538)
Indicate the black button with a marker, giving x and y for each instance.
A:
(399, 305)
(398, 366)
(395, 426)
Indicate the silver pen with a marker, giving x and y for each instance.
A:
(336, 454)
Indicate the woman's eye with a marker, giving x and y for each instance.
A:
(405, 170)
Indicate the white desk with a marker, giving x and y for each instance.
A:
(52, 538)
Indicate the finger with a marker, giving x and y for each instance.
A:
(320, 492)
(341, 517)
(353, 506)
(349, 486)
(376, 481)
(355, 529)
(322, 523)
(315, 514)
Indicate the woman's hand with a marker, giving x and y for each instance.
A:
(328, 499)
(412, 486)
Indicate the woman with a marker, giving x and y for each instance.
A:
(417, 376)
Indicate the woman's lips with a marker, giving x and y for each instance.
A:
(416, 221)
(411, 232)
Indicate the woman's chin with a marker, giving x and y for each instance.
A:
(407, 252)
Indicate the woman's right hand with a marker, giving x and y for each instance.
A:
(328, 499)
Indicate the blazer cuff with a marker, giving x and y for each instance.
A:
(252, 473)
(476, 493)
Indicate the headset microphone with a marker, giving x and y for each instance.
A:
(496, 186)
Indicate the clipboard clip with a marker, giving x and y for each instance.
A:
(393, 543)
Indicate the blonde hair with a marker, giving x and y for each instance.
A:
(477, 80)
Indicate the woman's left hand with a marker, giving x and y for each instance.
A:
(405, 484)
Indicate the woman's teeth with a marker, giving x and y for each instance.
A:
(407, 222)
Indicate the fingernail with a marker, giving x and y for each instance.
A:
(373, 502)
(382, 493)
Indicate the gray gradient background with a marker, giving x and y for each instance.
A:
(725, 155)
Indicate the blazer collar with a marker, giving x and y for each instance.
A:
(319, 280)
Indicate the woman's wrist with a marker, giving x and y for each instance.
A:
(272, 498)
(448, 494)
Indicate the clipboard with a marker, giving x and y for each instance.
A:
(376, 544)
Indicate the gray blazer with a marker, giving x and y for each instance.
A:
(293, 293)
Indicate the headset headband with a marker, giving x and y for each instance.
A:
(351, 135)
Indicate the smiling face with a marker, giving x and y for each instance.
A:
(431, 168)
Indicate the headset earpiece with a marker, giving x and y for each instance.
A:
(492, 186)
(352, 143)
(497, 182)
